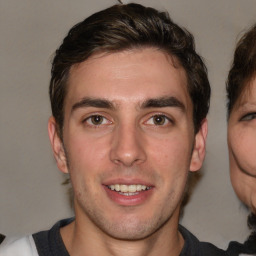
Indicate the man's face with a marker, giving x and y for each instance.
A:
(129, 142)
(242, 146)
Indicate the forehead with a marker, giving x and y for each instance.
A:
(128, 76)
(247, 95)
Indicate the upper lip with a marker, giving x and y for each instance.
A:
(128, 181)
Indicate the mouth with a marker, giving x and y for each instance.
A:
(128, 190)
(129, 193)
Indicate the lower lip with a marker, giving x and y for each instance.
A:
(133, 200)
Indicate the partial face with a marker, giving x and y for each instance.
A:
(242, 147)
(129, 141)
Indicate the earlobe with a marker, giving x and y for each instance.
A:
(57, 145)
(198, 153)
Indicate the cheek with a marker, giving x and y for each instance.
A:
(243, 147)
(170, 154)
(89, 145)
(243, 184)
(237, 183)
(87, 159)
(87, 155)
(245, 188)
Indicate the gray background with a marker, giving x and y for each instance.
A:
(31, 195)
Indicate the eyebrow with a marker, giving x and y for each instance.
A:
(245, 106)
(91, 102)
(163, 102)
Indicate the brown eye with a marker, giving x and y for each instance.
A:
(96, 120)
(159, 120)
(248, 117)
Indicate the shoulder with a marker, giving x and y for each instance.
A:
(194, 247)
(23, 246)
(43, 243)
(210, 249)
(246, 249)
(50, 242)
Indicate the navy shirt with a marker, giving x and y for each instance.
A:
(50, 243)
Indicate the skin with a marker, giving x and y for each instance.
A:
(128, 120)
(242, 146)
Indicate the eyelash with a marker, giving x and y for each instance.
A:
(248, 116)
(89, 121)
(149, 121)
(166, 119)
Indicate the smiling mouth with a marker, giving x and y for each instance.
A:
(128, 190)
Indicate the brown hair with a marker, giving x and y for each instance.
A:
(243, 68)
(123, 27)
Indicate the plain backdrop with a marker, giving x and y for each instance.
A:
(31, 195)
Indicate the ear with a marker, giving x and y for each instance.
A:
(198, 153)
(57, 145)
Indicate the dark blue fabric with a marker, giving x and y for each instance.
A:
(193, 247)
(235, 249)
(50, 243)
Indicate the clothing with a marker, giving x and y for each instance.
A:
(24, 246)
(2, 237)
(50, 243)
(193, 247)
(237, 249)
(248, 248)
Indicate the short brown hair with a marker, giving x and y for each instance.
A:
(243, 68)
(123, 27)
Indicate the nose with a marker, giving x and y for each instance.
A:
(127, 148)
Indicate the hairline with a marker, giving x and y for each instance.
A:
(245, 88)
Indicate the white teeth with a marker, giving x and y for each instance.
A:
(128, 189)
(124, 188)
(132, 188)
(143, 187)
(139, 187)
(128, 194)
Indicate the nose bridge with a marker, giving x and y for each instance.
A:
(127, 145)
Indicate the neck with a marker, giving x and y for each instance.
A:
(82, 239)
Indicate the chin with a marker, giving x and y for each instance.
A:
(129, 235)
(131, 230)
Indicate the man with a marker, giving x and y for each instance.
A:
(129, 98)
